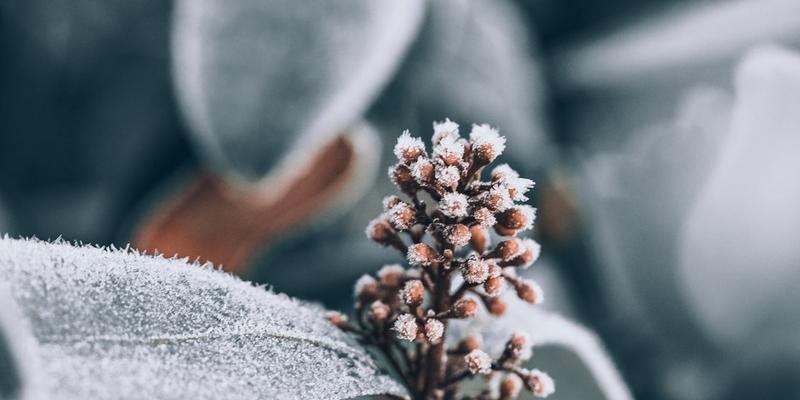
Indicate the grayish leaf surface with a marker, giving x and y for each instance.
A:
(117, 324)
(256, 76)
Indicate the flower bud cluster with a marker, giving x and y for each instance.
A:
(443, 227)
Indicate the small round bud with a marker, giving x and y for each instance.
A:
(447, 177)
(434, 330)
(484, 217)
(402, 178)
(458, 235)
(469, 343)
(337, 319)
(517, 218)
(423, 172)
(529, 291)
(390, 201)
(497, 199)
(510, 387)
(379, 230)
(503, 172)
(518, 347)
(509, 249)
(421, 254)
(496, 306)
(402, 216)
(529, 256)
(391, 275)
(494, 269)
(493, 286)
(454, 205)
(379, 311)
(479, 238)
(475, 271)
(366, 288)
(539, 383)
(450, 151)
(408, 149)
(465, 308)
(413, 293)
(406, 327)
(478, 362)
(444, 129)
(487, 144)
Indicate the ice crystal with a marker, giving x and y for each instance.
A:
(454, 205)
(117, 324)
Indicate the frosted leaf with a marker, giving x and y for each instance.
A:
(234, 94)
(117, 324)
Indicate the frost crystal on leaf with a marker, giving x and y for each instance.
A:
(118, 324)
(478, 362)
(454, 205)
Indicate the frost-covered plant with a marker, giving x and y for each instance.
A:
(443, 230)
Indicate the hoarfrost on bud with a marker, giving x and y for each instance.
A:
(402, 216)
(487, 144)
(529, 291)
(406, 327)
(447, 177)
(510, 386)
(530, 216)
(421, 254)
(478, 362)
(454, 205)
(519, 346)
(493, 286)
(434, 330)
(408, 148)
(450, 150)
(390, 201)
(391, 275)
(444, 129)
(378, 229)
(517, 187)
(539, 383)
(379, 311)
(532, 252)
(475, 271)
(458, 235)
(497, 199)
(503, 172)
(413, 293)
(423, 171)
(365, 284)
(484, 216)
(336, 318)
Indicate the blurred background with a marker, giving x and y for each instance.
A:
(664, 137)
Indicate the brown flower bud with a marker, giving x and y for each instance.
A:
(423, 172)
(518, 347)
(390, 201)
(503, 231)
(408, 149)
(413, 293)
(366, 288)
(402, 178)
(484, 217)
(512, 218)
(508, 249)
(469, 343)
(379, 311)
(434, 330)
(479, 238)
(493, 286)
(496, 306)
(529, 291)
(475, 270)
(458, 235)
(529, 256)
(421, 254)
(539, 383)
(391, 275)
(337, 319)
(510, 387)
(465, 308)
(402, 216)
(379, 230)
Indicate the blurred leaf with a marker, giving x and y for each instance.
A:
(117, 324)
(256, 76)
